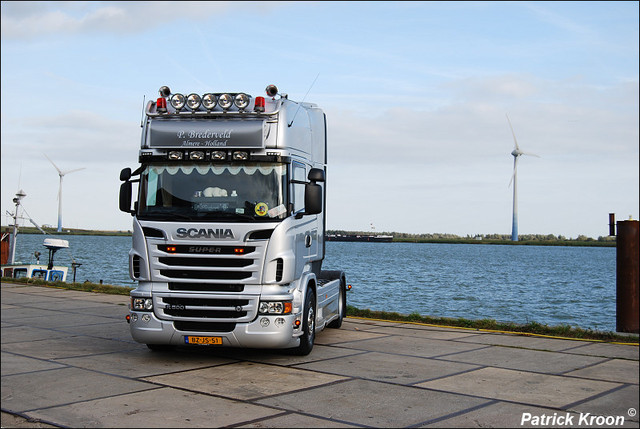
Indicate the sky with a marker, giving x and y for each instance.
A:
(416, 96)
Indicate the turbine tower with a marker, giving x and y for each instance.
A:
(514, 178)
(61, 174)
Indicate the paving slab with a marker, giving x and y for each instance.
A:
(165, 407)
(375, 404)
(526, 359)
(399, 369)
(520, 386)
(245, 380)
(47, 388)
(68, 360)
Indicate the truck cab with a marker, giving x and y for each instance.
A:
(229, 223)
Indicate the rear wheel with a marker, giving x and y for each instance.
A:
(308, 325)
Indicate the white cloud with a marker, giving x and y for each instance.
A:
(31, 20)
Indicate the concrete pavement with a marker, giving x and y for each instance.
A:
(68, 360)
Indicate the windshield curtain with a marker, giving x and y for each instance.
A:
(248, 191)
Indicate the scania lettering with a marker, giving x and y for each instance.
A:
(229, 223)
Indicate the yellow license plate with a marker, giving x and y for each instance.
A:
(203, 340)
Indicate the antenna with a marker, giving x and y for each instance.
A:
(303, 98)
(144, 98)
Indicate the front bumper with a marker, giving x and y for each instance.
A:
(146, 328)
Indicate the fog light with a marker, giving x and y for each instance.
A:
(134, 317)
(146, 318)
(264, 322)
(280, 322)
(175, 155)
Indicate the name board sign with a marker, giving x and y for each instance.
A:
(206, 134)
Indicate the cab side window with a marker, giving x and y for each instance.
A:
(299, 174)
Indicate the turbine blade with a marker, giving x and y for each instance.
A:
(56, 167)
(514, 134)
(530, 154)
(72, 171)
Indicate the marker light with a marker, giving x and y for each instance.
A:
(161, 104)
(171, 249)
(241, 101)
(209, 101)
(177, 101)
(218, 155)
(193, 101)
(225, 101)
(259, 107)
(175, 155)
(238, 250)
(196, 155)
(240, 156)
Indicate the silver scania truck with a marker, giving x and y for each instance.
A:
(229, 223)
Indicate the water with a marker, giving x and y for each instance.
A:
(102, 257)
(546, 284)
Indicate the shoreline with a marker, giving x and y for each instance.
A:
(397, 238)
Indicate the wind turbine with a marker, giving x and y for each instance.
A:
(61, 174)
(517, 153)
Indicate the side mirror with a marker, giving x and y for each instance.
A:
(312, 198)
(316, 175)
(125, 197)
(125, 174)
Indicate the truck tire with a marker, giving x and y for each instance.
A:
(308, 325)
(342, 306)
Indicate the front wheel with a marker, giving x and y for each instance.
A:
(308, 325)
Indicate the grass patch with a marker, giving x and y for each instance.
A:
(531, 328)
(84, 287)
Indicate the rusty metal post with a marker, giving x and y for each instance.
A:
(627, 280)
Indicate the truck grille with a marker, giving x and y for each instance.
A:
(195, 264)
(192, 272)
(203, 308)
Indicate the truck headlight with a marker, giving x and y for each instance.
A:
(275, 307)
(142, 304)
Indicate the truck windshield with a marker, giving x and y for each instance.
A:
(219, 192)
